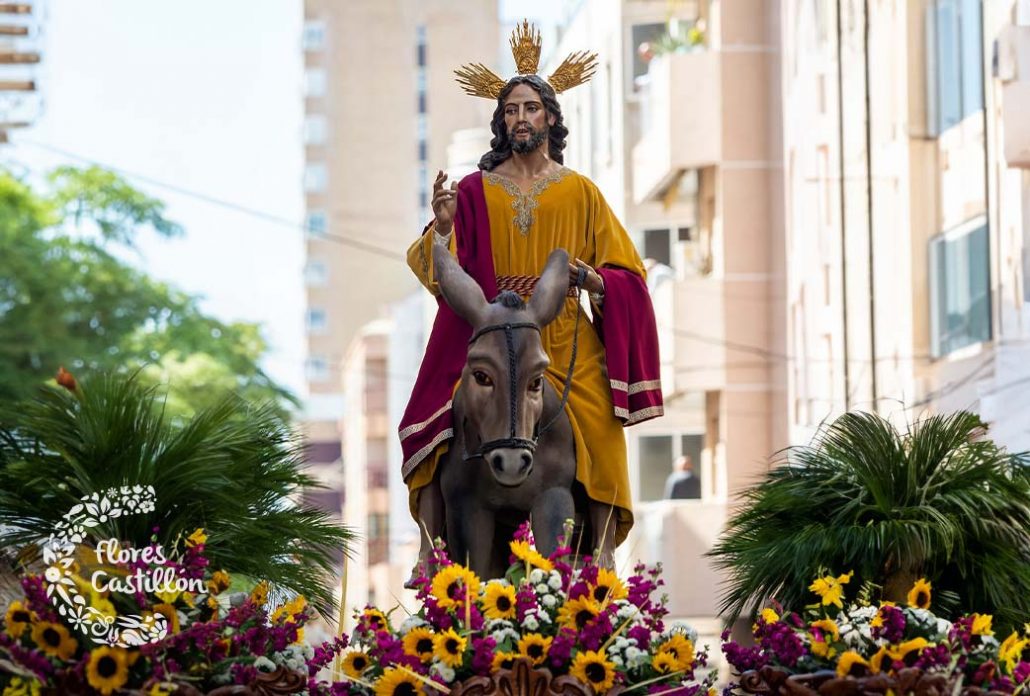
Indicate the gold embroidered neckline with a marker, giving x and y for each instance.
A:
(524, 203)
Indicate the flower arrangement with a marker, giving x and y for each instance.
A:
(571, 620)
(214, 637)
(893, 645)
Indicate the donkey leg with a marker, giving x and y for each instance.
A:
(602, 519)
(431, 526)
(470, 538)
(549, 513)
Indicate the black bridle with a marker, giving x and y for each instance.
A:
(512, 442)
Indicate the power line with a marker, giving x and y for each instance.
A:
(229, 205)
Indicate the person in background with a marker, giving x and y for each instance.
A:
(682, 483)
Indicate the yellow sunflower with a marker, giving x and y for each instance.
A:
(1011, 651)
(419, 643)
(982, 625)
(830, 589)
(680, 647)
(22, 686)
(168, 611)
(904, 650)
(608, 587)
(259, 595)
(295, 606)
(18, 618)
(876, 661)
(527, 554)
(503, 660)
(577, 613)
(355, 663)
(197, 538)
(851, 664)
(54, 640)
(499, 601)
(375, 619)
(108, 669)
(828, 627)
(452, 584)
(665, 663)
(592, 667)
(449, 648)
(396, 682)
(219, 582)
(919, 595)
(770, 616)
(535, 647)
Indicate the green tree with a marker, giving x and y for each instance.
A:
(938, 501)
(233, 469)
(66, 298)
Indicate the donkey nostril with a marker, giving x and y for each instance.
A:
(527, 461)
(497, 462)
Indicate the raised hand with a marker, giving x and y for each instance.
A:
(445, 203)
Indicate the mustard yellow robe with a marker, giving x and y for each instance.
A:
(563, 210)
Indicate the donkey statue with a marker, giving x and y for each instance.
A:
(513, 452)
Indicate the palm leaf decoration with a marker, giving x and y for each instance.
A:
(939, 500)
(233, 469)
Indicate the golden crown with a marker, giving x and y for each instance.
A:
(480, 81)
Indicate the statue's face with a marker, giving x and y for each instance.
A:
(526, 119)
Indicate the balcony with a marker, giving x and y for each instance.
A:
(1014, 70)
(680, 121)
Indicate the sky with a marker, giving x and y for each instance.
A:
(199, 103)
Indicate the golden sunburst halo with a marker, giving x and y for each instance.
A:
(452, 584)
(527, 554)
(592, 667)
(54, 640)
(396, 682)
(449, 648)
(355, 663)
(499, 601)
(535, 647)
(419, 643)
(107, 669)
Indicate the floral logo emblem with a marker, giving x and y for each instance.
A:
(62, 586)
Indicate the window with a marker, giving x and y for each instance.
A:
(657, 454)
(954, 80)
(656, 246)
(316, 129)
(317, 321)
(317, 223)
(960, 305)
(317, 368)
(315, 177)
(641, 34)
(420, 42)
(314, 35)
(314, 82)
(316, 274)
(421, 127)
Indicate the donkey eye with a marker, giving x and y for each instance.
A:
(482, 379)
(537, 384)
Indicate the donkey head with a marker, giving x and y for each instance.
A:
(502, 383)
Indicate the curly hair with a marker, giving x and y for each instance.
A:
(500, 146)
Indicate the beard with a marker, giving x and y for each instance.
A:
(535, 139)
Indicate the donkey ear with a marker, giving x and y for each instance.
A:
(551, 289)
(462, 293)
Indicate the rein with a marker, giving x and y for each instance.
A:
(512, 442)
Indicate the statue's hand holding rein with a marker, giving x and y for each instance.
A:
(592, 283)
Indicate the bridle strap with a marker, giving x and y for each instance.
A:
(512, 442)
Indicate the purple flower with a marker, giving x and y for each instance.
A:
(1022, 672)
(743, 659)
(893, 627)
(561, 648)
(483, 655)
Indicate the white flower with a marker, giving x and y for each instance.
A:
(536, 577)
(441, 670)
(530, 623)
(943, 627)
(263, 664)
(555, 580)
(615, 660)
(686, 629)
(549, 601)
(410, 623)
(542, 588)
(498, 624)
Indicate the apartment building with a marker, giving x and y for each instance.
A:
(21, 25)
